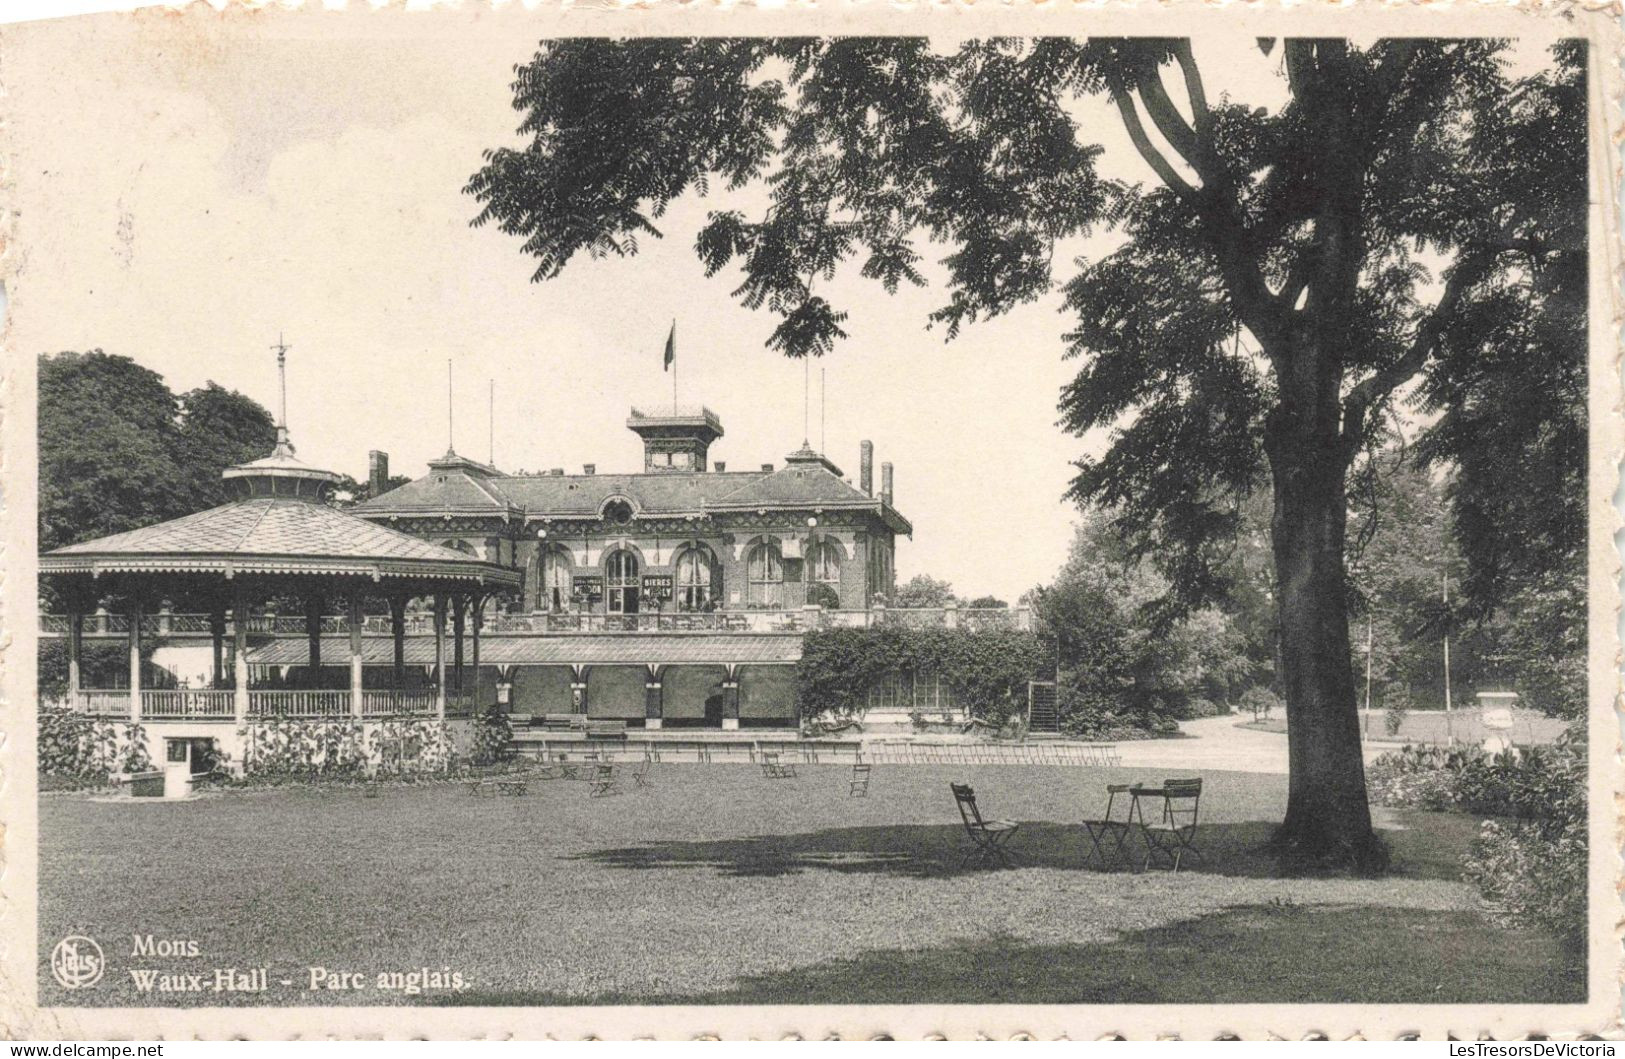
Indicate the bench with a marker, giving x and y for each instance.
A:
(606, 729)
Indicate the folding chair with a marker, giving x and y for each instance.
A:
(1109, 836)
(517, 787)
(640, 774)
(1174, 834)
(774, 769)
(604, 781)
(988, 837)
(859, 787)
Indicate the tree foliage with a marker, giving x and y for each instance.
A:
(922, 590)
(1123, 663)
(1290, 276)
(118, 450)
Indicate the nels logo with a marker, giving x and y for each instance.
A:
(77, 962)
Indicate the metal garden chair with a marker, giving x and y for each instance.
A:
(604, 781)
(1109, 836)
(859, 786)
(988, 837)
(1174, 833)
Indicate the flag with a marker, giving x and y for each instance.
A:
(671, 348)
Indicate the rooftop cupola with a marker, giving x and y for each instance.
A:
(678, 441)
(805, 456)
(281, 474)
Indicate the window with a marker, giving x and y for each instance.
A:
(621, 577)
(824, 574)
(554, 582)
(619, 512)
(764, 577)
(697, 578)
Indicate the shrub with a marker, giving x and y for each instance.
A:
(1199, 707)
(286, 746)
(1396, 701)
(1528, 877)
(1260, 701)
(987, 669)
(1531, 871)
(1088, 713)
(1530, 865)
(492, 734)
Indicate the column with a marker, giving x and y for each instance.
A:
(653, 703)
(440, 655)
(239, 651)
(217, 638)
(950, 615)
(76, 629)
(459, 612)
(730, 705)
(397, 627)
(314, 605)
(135, 655)
(478, 619)
(355, 651)
(578, 693)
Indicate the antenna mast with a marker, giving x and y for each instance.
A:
(491, 417)
(284, 447)
(823, 409)
(281, 348)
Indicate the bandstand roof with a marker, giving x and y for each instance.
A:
(273, 535)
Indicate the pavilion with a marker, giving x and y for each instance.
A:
(277, 539)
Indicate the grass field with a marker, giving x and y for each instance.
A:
(720, 886)
(1422, 726)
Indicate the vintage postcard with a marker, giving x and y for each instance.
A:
(838, 520)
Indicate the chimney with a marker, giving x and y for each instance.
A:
(767, 468)
(377, 472)
(720, 466)
(557, 472)
(589, 468)
(866, 468)
(885, 484)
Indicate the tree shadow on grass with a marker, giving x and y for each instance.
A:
(926, 851)
(1274, 953)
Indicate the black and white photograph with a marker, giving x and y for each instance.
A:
(650, 522)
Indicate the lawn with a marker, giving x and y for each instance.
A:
(1427, 726)
(720, 886)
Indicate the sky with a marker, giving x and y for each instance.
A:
(201, 187)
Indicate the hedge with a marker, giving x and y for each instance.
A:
(987, 670)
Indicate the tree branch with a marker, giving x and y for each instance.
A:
(1467, 272)
(1170, 122)
(1142, 143)
(1201, 116)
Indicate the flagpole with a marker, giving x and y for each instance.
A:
(674, 367)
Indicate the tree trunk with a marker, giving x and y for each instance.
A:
(1328, 818)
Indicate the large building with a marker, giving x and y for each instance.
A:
(711, 574)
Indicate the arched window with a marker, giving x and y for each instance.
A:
(698, 579)
(824, 574)
(621, 581)
(553, 580)
(459, 546)
(764, 577)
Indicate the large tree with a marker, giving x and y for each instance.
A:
(118, 450)
(1288, 274)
